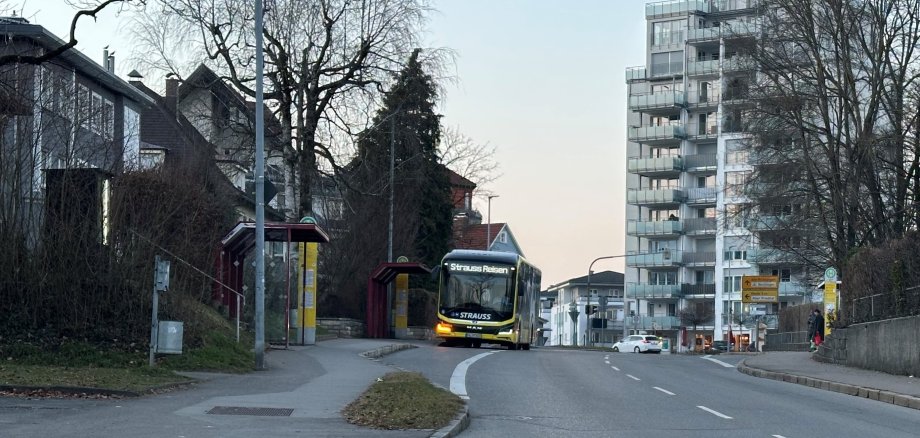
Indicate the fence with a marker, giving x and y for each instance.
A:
(888, 305)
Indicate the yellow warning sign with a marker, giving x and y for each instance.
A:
(759, 289)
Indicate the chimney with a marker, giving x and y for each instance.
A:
(105, 57)
(135, 78)
(111, 65)
(172, 93)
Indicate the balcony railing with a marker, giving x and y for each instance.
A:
(645, 291)
(654, 165)
(652, 134)
(703, 67)
(653, 259)
(708, 98)
(699, 258)
(661, 100)
(702, 195)
(766, 222)
(793, 288)
(716, 6)
(768, 256)
(698, 289)
(704, 34)
(700, 225)
(700, 161)
(636, 74)
(655, 196)
(738, 29)
(674, 7)
(655, 323)
(653, 228)
(698, 131)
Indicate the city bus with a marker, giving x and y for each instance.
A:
(487, 297)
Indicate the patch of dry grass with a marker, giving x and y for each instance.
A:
(403, 400)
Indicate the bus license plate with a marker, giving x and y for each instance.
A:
(474, 335)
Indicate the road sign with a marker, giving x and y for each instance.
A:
(759, 289)
(757, 309)
(830, 274)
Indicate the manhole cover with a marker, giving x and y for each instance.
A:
(259, 412)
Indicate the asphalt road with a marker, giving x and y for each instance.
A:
(553, 393)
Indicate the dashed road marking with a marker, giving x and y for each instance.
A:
(633, 377)
(716, 413)
(615, 368)
(663, 390)
(607, 362)
(778, 436)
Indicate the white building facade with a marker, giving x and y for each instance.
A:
(688, 161)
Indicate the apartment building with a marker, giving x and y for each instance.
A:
(688, 161)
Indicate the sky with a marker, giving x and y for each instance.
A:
(541, 80)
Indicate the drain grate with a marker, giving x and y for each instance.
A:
(259, 412)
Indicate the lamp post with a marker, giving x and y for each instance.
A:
(489, 223)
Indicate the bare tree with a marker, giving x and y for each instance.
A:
(325, 62)
(835, 124)
(471, 160)
(88, 9)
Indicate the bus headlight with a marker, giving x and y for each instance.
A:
(443, 328)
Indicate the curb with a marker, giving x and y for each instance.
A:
(906, 401)
(457, 425)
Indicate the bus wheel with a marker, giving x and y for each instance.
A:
(512, 346)
(525, 347)
(477, 344)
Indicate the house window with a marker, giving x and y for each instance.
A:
(503, 237)
(672, 309)
(667, 63)
(668, 32)
(784, 274)
(650, 309)
(97, 114)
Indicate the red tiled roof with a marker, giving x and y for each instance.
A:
(474, 236)
(458, 181)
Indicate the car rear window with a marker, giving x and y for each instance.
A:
(651, 338)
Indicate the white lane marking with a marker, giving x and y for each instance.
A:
(778, 436)
(607, 362)
(614, 368)
(607, 357)
(458, 378)
(663, 390)
(716, 413)
(633, 377)
(710, 358)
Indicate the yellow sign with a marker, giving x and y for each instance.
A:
(759, 289)
(830, 302)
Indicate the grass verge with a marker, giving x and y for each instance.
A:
(403, 400)
(138, 379)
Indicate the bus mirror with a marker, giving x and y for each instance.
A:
(435, 272)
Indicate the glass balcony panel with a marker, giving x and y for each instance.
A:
(653, 259)
(699, 258)
(698, 289)
(717, 6)
(672, 7)
(636, 73)
(793, 288)
(645, 291)
(699, 225)
(702, 195)
(667, 99)
(703, 98)
(645, 134)
(655, 165)
(652, 196)
(703, 67)
(656, 323)
(700, 161)
(709, 33)
(766, 256)
(653, 228)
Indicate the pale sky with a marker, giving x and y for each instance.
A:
(541, 80)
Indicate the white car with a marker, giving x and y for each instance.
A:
(639, 344)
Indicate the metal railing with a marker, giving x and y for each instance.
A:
(699, 257)
(654, 164)
(702, 194)
(637, 73)
(700, 225)
(634, 260)
(664, 99)
(653, 228)
(654, 196)
(700, 160)
(673, 7)
(645, 291)
(698, 289)
(649, 133)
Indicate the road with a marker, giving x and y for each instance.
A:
(554, 392)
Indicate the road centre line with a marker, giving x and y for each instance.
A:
(778, 436)
(615, 368)
(607, 362)
(663, 390)
(716, 413)
(633, 377)
(710, 358)
(458, 378)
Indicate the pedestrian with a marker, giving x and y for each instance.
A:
(819, 328)
(811, 330)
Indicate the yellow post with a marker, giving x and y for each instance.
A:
(830, 297)
(402, 306)
(306, 300)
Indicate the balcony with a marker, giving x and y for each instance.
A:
(703, 67)
(656, 135)
(698, 132)
(703, 35)
(773, 256)
(636, 74)
(740, 29)
(698, 289)
(699, 258)
(736, 64)
(658, 166)
(667, 102)
(702, 195)
(653, 228)
(646, 291)
(675, 7)
(766, 222)
(793, 288)
(650, 197)
(653, 259)
(700, 226)
(700, 162)
(655, 323)
(703, 100)
(728, 6)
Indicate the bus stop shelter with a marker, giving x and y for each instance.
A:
(240, 241)
(378, 306)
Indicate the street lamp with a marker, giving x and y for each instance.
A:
(489, 223)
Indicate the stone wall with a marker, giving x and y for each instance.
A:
(890, 346)
(342, 327)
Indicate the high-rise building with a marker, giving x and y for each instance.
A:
(688, 235)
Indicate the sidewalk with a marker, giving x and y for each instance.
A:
(798, 367)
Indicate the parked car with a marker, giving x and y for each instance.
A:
(639, 344)
(720, 345)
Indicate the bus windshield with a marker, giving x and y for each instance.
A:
(477, 291)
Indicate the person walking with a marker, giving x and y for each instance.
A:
(819, 328)
(811, 330)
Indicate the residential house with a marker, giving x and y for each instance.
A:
(604, 324)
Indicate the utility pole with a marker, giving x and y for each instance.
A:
(260, 199)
